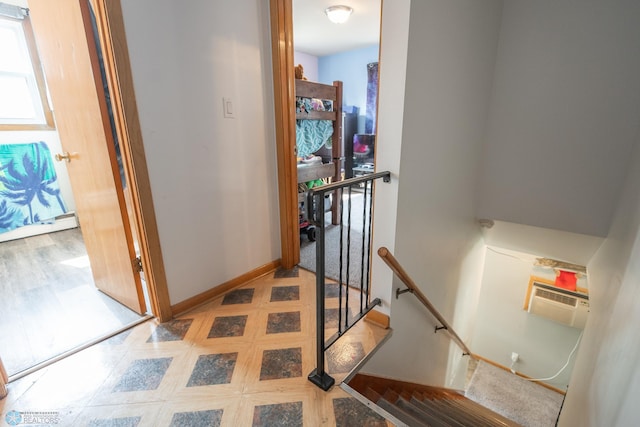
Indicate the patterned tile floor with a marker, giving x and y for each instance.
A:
(239, 360)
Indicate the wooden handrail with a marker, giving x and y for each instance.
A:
(393, 263)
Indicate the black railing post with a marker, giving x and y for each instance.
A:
(315, 209)
(348, 275)
(364, 239)
(370, 233)
(318, 376)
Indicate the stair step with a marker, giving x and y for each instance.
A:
(400, 413)
(463, 404)
(458, 420)
(444, 410)
(391, 395)
(418, 405)
(371, 394)
(433, 418)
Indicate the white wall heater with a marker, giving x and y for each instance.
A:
(566, 307)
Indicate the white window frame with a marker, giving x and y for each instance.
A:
(33, 77)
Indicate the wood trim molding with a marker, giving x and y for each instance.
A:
(497, 365)
(284, 95)
(118, 68)
(212, 293)
(378, 318)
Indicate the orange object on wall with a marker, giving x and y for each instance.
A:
(566, 280)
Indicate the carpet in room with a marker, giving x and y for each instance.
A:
(522, 401)
(332, 247)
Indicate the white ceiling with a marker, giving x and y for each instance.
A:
(315, 35)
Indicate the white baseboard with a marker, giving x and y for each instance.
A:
(33, 230)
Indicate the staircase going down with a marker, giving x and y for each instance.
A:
(420, 405)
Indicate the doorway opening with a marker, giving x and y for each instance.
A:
(325, 52)
(108, 212)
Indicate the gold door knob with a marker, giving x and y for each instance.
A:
(64, 156)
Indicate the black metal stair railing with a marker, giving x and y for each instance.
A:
(343, 192)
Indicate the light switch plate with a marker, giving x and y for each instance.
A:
(227, 108)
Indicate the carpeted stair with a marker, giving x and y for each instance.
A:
(525, 402)
(419, 405)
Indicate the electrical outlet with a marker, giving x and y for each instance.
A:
(514, 357)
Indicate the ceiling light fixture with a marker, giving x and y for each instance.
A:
(338, 14)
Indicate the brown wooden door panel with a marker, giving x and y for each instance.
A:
(72, 73)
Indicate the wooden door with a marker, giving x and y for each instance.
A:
(67, 50)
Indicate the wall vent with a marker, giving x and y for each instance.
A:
(561, 306)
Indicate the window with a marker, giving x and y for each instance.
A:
(23, 98)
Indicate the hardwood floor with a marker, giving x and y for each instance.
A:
(239, 360)
(48, 302)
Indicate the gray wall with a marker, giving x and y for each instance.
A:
(213, 179)
(393, 53)
(559, 125)
(543, 242)
(564, 113)
(451, 53)
(605, 384)
(502, 326)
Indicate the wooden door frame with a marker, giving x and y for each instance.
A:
(281, 12)
(284, 96)
(118, 70)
